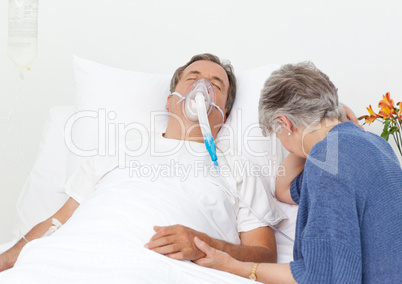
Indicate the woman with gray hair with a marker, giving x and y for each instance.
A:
(347, 182)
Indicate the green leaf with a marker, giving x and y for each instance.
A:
(393, 129)
(385, 133)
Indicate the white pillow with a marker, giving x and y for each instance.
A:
(108, 98)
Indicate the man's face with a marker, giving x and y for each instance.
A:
(219, 79)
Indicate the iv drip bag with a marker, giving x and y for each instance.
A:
(22, 32)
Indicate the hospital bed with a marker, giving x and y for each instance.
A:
(107, 97)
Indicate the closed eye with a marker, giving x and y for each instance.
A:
(217, 86)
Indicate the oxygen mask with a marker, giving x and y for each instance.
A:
(198, 102)
(201, 86)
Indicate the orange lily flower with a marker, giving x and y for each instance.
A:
(387, 106)
(391, 115)
(371, 111)
(386, 112)
(373, 116)
(386, 101)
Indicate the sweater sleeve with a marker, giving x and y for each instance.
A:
(329, 246)
(326, 261)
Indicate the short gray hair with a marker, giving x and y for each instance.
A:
(302, 93)
(215, 59)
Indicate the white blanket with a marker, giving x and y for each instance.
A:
(103, 242)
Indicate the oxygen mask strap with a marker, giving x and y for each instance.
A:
(218, 108)
(182, 98)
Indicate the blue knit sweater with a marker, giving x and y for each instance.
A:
(349, 224)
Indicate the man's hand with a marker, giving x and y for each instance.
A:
(351, 116)
(7, 260)
(176, 242)
(3, 263)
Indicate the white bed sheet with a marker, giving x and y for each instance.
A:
(103, 242)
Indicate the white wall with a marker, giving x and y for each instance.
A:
(358, 43)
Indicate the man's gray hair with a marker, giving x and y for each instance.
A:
(302, 93)
(224, 64)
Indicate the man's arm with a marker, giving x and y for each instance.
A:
(351, 116)
(177, 242)
(8, 258)
(290, 169)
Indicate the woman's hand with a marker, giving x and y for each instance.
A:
(220, 260)
(266, 273)
(213, 258)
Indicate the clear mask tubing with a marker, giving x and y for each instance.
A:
(211, 147)
(205, 127)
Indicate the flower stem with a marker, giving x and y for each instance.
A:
(397, 135)
(400, 138)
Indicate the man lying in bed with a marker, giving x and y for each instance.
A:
(128, 201)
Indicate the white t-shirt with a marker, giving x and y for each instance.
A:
(152, 158)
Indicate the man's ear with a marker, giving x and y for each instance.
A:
(168, 102)
(225, 115)
(287, 123)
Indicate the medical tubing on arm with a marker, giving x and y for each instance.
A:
(56, 225)
(205, 127)
(225, 184)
